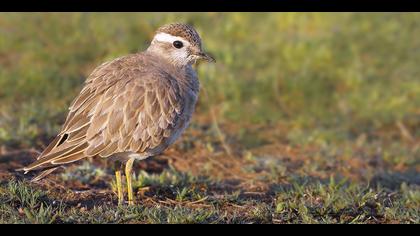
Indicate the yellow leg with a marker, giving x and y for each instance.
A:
(128, 175)
(119, 187)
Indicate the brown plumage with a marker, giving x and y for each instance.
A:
(182, 30)
(131, 107)
(136, 109)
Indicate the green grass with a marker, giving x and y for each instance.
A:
(335, 74)
(21, 203)
(319, 111)
(327, 202)
(342, 202)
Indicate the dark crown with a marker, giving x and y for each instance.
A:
(182, 30)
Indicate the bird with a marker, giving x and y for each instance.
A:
(132, 107)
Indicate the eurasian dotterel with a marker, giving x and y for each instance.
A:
(132, 107)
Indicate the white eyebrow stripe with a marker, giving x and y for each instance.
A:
(164, 37)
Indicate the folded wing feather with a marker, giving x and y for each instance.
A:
(130, 110)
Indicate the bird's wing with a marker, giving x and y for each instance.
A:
(121, 108)
(135, 116)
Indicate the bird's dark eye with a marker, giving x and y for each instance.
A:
(178, 44)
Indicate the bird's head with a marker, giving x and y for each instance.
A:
(180, 44)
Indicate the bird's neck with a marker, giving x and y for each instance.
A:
(184, 74)
(167, 62)
(158, 52)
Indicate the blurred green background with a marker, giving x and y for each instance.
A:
(323, 78)
(296, 105)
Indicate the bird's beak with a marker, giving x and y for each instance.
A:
(205, 56)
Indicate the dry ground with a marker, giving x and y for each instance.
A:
(205, 180)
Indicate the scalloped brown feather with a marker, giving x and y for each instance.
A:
(135, 103)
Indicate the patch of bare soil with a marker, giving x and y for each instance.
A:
(253, 172)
